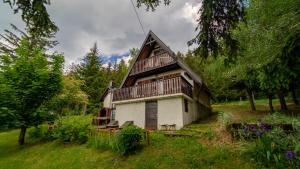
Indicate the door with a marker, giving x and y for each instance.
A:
(151, 115)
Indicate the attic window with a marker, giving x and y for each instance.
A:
(186, 105)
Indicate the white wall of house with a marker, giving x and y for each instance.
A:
(190, 115)
(170, 112)
(170, 109)
(108, 100)
(134, 111)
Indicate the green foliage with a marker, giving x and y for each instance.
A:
(34, 14)
(151, 4)
(124, 142)
(217, 18)
(279, 118)
(133, 54)
(271, 149)
(73, 129)
(224, 118)
(128, 140)
(91, 73)
(215, 74)
(71, 100)
(42, 132)
(94, 78)
(263, 42)
(27, 82)
(276, 148)
(163, 152)
(101, 142)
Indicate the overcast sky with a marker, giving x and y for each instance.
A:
(113, 25)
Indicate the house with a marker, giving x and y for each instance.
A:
(158, 91)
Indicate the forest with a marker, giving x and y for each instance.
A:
(245, 51)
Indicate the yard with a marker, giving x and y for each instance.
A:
(210, 148)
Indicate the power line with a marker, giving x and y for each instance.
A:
(137, 15)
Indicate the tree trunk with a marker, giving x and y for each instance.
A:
(294, 95)
(270, 103)
(22, 135)
(283, 105)
(250, 98)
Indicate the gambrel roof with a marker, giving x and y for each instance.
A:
(152, 38)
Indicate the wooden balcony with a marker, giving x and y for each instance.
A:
(157, 88)
(151, 63)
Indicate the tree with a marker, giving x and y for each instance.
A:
(34, 14)
(91, 72)
(133, 53)
(216, 20)
(71, 99)
(120, 72)
(28, 81)
(151, 4)
(264, 44)
(39, 31)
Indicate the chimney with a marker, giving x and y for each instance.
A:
(111, 84)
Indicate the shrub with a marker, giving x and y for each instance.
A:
(128, 140)
(275, 148)
(73, 129)
(42, 132)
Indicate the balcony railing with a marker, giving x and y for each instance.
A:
(151, 63)
(157, 88)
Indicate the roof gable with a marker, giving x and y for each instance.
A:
(152, 38)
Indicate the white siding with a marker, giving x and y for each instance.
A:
(131, 112)
(190, 116)
(107, 103)
(170, 112)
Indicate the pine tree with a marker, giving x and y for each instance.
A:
(91, 72)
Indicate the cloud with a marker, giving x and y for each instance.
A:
(113, 25)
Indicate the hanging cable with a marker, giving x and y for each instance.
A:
(137, 15)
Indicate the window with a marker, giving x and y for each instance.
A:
(186, 105)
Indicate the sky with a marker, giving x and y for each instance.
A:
(113, 25)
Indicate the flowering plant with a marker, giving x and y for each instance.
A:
(273, 147)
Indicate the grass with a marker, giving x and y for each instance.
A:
(210, 148)
(164, 152)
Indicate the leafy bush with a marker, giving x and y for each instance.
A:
(42, 132)
(73, 129)
(128, 140)
(35, 133)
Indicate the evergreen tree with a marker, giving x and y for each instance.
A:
(91, 72)
(120, 72)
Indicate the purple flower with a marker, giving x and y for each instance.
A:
(253, 127)
(290, 155)
(263, 126)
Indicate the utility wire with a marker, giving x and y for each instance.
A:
(137, 15)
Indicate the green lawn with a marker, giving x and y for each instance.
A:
(211, 148)
(164, 152)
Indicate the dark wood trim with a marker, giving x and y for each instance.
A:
(156, 88)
